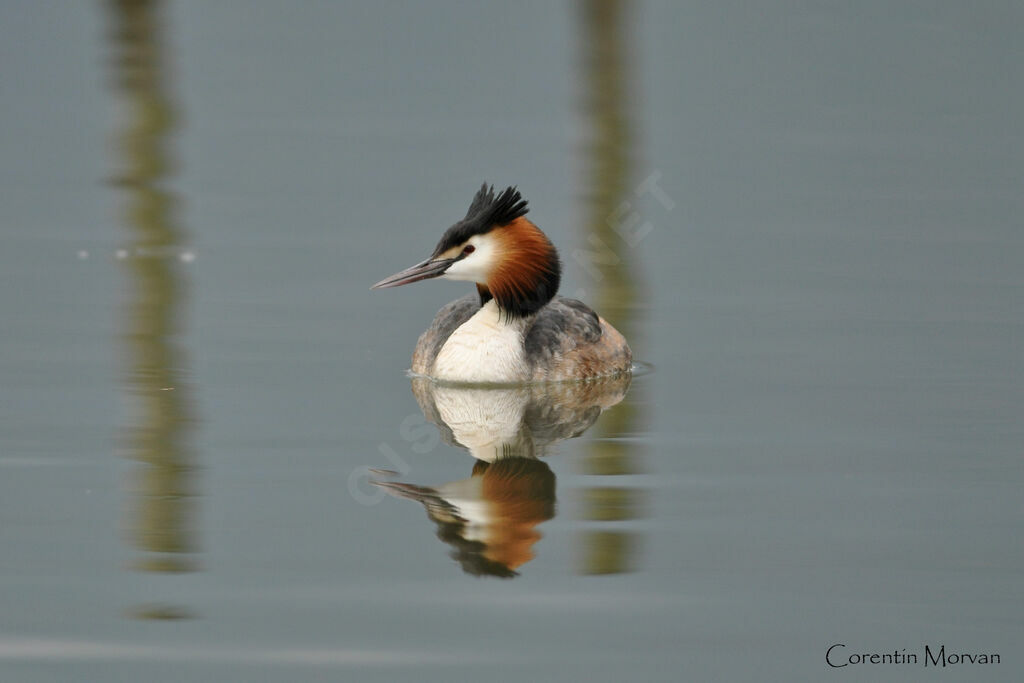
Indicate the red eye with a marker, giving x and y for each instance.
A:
(468, 249)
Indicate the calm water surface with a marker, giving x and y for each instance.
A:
(806, 220)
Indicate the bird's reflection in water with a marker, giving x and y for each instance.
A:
(490, 518)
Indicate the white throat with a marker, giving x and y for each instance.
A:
(485, 348)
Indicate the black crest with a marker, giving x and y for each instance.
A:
(485, 213)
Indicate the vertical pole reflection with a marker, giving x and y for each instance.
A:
(162, 490)
(606, 80)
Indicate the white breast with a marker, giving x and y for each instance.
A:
(484, 349)
(489, 422)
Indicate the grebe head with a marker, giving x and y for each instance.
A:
(495, 246)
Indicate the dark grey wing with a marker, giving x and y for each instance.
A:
(445, 322)
(561, 326)
(564, 410)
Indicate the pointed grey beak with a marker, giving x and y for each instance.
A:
(422, 271)
(410, 491)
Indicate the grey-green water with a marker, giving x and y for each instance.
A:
(819, 250)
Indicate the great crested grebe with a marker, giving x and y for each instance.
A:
(514, 329)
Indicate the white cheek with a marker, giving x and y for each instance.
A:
(477, 266)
